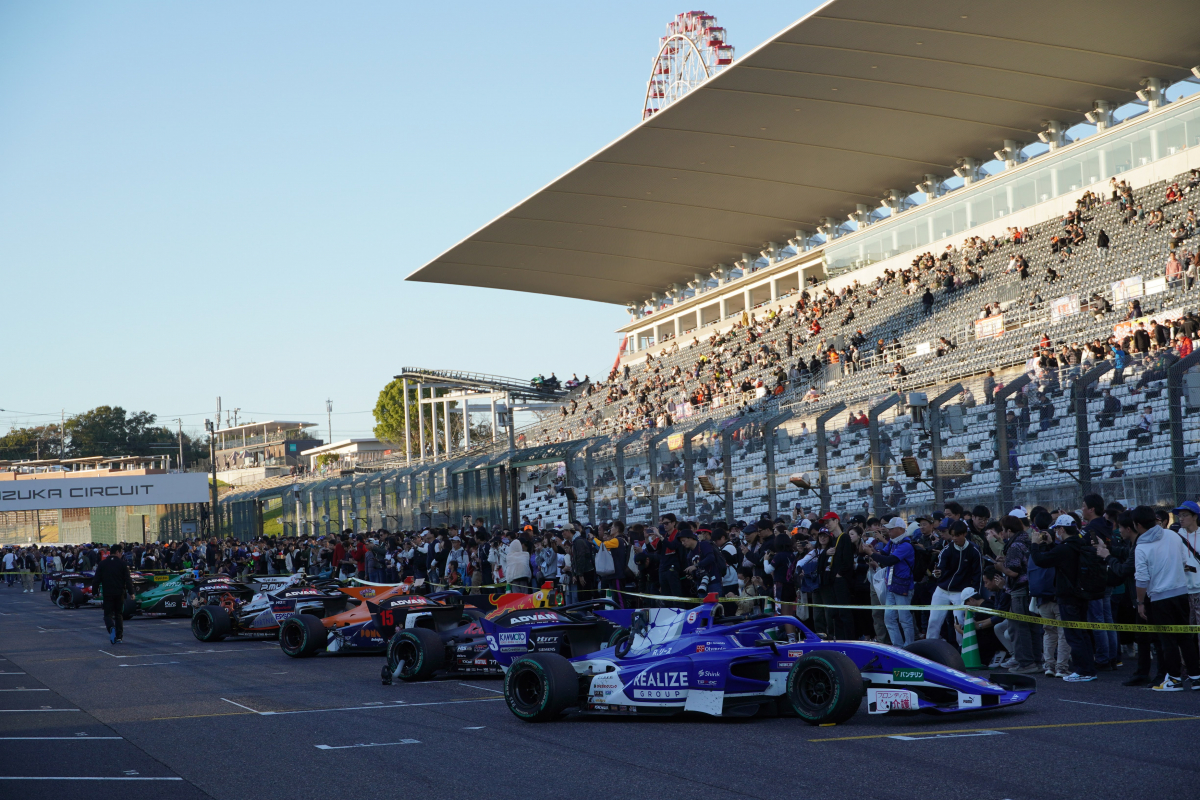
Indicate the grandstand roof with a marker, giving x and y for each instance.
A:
(856, 98)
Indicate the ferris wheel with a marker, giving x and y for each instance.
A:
(693, 50)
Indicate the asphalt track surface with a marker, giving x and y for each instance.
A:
(166, 716)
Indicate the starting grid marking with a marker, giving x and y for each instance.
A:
(78, 778)
(920, 738)
(376, 705)
(371, 744)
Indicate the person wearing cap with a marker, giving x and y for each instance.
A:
(1063, 550)
(1188, 517)
(898, 559)
(670, 557)
(959, 574)
(1013, 565)
(1163, 567)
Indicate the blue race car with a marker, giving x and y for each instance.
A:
(699, 659)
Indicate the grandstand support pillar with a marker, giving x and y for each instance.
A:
(494, 426)
(935, 441)
(727, 472)
(1001, 404)
(498, 482)
(341, 521)
(481, 506)
(823, 454)
(589, 469)
(689, 466)
(446, 427)
(1083, 437)
(414, 505)
(430, 492)
(421, 419)
(433, 425)
(453, 500)
(1175, 388)
(407, 441)
(466, 411)
(876, 460)
(770, 444)
(622, 504)
(652, 459)
(509, 417)
(514, 493)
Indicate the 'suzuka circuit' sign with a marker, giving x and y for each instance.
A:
(45, 494)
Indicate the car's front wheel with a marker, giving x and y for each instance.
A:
(302, 635)
(211, 624)
(825, 687)
(539, 687)
(415, 654)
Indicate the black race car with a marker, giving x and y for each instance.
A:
(225, 607)
(451, 638)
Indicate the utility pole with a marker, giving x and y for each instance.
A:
(329, 411)
(181, 464)
(212, 465)
(62, 435)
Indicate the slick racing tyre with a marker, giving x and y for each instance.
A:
(211, 624)
(129, 608)
(825, 687)
(415, 654)
(62, 598)
(939, 652)
(303, 635)
(78, 598)
(539, 687)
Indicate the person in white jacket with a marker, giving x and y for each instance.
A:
(516, 566)
(1161, 568)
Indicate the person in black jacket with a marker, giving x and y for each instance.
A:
(1064, 557)
(1121, 565)
(959, 575)
(113, 581)
(842, 567)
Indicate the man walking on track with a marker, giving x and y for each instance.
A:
(113, 580)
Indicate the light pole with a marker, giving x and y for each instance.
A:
(212, 465)
(329, 411)
(181, 464)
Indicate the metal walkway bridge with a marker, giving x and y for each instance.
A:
(515, 387)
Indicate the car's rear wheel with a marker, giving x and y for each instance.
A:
(62, 598)
(211, 624)
(78, 596)
(539, 687)
(415, 654)
(303, 635)
(825, 688)
(129, 608)
(939, 652)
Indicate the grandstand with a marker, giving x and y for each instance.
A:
(828, 372)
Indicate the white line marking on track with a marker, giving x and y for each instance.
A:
(60, 738)
(239, 705)
(1129, 708)
(151, 664)
(476, 728)
(12, 673)
(32, 710)
(23, 689)
(481, 688)
(945, 736)
(19, 778)
(371, 744)
(377, 708)
(181, 653)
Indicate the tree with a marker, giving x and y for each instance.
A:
(111, 431)
(27, 444)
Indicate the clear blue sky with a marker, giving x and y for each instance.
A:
(202, 199)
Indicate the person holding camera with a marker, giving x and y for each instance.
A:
(959, 575)
(1080, 577)
(898, 560)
